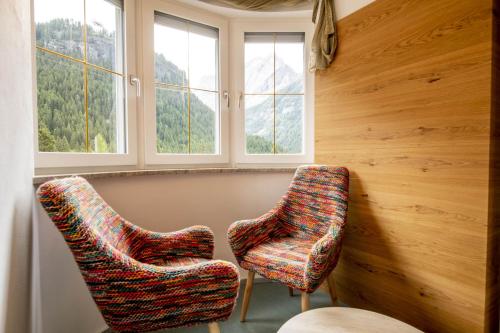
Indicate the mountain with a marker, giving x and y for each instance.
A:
(172, 114)
(259, 111)
(259, 76)
(60, 89)
(60, 94)
(61, 111)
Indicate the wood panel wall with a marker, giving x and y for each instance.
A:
(493, 270)
(407, 107)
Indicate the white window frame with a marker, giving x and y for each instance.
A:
(200, 16)
(67, 160)
(238, 29)
(140, 118)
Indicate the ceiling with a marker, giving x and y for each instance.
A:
(343, 8)
(229, 12)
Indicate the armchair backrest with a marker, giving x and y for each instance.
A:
(89, 225)
(316, 200)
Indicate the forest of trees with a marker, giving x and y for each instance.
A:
(172, 114)
(288, 112)
(61, 107)
(60, 90)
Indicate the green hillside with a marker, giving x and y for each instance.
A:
(61, 110)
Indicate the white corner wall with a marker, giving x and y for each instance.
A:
(344, 8)
(16, 164)
(161, 203)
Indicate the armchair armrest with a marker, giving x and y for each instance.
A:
(171, 293)
(246, 234)
(195, 241)
(323, 257)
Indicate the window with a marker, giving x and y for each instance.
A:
(185, 72)
(186, 86)
(274, 93)
(80, 78)
(88, 88)
(274, 118)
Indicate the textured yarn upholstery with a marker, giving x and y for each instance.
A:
(298, 242)
(141, 280)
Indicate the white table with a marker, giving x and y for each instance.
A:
(344, 320)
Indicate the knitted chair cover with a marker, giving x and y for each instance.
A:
(140, 280)
(298, 242)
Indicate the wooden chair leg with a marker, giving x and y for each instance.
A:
(213, 328)
(305, 303)
(290, 291)
(332, 290)
(246, 296)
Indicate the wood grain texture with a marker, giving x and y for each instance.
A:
(344, 320)
(407, 107)
(246, 296)
(493, 280)
(213, 328)
(305, 303)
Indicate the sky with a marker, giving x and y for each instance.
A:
(291, 53)
(97, 11)
(202, 53)
(202, 61)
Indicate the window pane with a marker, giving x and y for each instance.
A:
(171, 121)
(203, 59)
(171, 63)
(204, 121)
(259, 64)
(104, 35)
(59, 26)
(187, 59)
(289, 124)
(289, 63)
(259, 124)
(60, 98)
(106, 112)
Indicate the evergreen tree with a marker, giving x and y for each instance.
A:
(62, 116)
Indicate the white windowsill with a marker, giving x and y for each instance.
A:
(37, 180)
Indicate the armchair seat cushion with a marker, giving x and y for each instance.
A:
(141, 280)
(178, 261)
(298, 242)
(282, 259)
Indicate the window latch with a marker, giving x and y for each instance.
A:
(226, 97)
(135, 81)
(240, 97)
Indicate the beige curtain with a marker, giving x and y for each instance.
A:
(324, 41)
(263, 5)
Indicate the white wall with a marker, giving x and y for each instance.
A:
(16, 164)
(160, 203)
(344, 8)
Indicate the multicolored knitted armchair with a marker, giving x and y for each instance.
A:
(298, 242)
(141, 280)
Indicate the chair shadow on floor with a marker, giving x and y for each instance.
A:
(270, 304)
(270, 307)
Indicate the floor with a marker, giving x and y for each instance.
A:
(270, 307)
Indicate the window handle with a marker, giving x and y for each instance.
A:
(135, 81)
(226, 96)
(239, 100)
